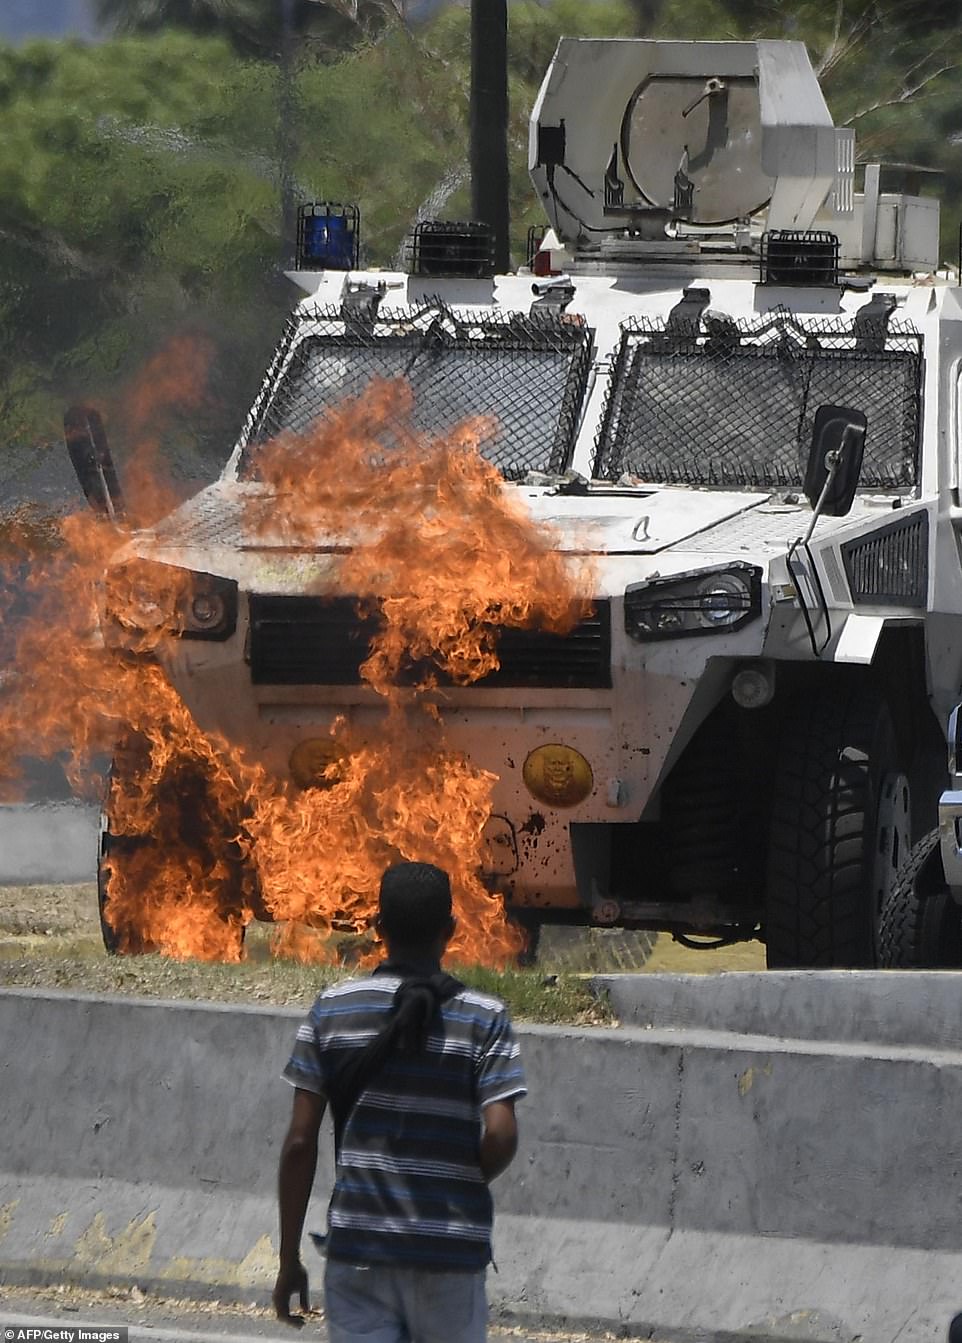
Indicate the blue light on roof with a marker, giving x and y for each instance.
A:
(327, 236)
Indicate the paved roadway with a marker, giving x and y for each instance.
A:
(152, 1320)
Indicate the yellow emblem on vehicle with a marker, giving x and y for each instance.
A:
(558, 775)
(310, 762)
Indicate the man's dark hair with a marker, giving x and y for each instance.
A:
(415, 903)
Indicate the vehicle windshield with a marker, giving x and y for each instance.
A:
(719, 402)
(527, 372)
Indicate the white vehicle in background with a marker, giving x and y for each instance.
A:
(733, 379)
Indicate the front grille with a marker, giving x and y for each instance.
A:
(324, 641)
(890, 567)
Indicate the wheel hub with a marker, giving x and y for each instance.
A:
(893, 834)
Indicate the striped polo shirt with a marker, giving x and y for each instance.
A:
(408, 1187)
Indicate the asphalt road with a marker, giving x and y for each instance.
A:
(154, 1320)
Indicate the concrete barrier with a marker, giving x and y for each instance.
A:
(678, 1184)
(858, 1006)
(48, 843)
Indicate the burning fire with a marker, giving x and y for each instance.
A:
(203, 838)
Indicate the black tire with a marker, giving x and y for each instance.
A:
(921, 925)
(120, 937)
(530, 926)
(196, 828)
(124, 938)
(111, 937)
(831, 861)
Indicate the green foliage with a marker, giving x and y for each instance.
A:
(78, 964)
(142, 182)
(198, 16)
(254, 27)
(129, 213)
(355, 147)
(531, 995)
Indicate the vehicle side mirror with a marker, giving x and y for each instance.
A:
(835, 459)
(955, 745)
(86, 441)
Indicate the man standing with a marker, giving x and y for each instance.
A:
(422, 1076)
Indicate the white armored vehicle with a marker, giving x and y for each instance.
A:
(732, 379)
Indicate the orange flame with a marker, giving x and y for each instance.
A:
(447, 552)
(203, 838)
(172, 384)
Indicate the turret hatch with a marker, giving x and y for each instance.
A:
(668, 140)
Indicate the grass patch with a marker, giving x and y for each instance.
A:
(529, 994)
(49, 911)
(50, 939)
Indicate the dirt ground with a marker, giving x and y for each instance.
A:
(33, 915)
(178, 1319)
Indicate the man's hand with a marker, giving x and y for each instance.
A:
(296, 1176)
(290, 1279)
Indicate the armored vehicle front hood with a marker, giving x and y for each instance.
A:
(628, 529)
(608, 520)
(583, 519)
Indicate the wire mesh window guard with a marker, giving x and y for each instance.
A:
(717, 401)
(526, 371)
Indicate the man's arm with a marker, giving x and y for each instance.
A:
(295, 1180)
(499, 1138)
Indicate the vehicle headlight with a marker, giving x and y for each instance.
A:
(318, 762)
(705, 601)
(145, 601)
(207, 608)
(206, 612)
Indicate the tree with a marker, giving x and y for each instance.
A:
(647, 15)
(257, 27)
(128, 214)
